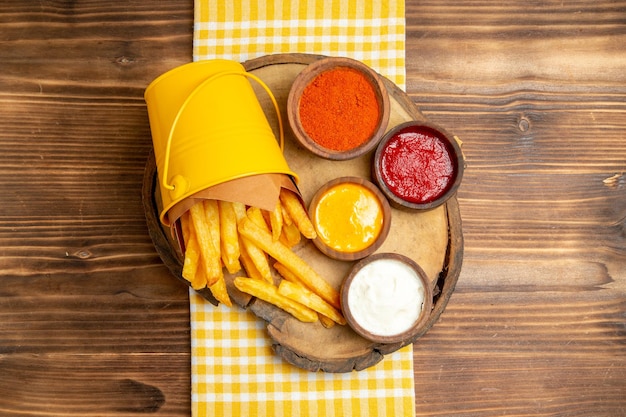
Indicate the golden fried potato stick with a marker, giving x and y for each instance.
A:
(280, 252)
(268, 292)
(259, 259)
(276, 221)
(220, 292)
(199, 279)
(298, 214)
(290, 276)
(192, 251)
(287, 274)
(229, 236)
(192, 271)
(246, 261)
(286, 217)
(326, 322)
(313, 301)
(254, 259)
(212, 213)
(256, 215)
(192, 258)
(290, 235)
(209, 254)
(240, 211)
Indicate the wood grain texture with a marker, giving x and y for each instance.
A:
(537, 92)
(92, 323)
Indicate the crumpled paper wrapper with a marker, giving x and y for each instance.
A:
(260, 190)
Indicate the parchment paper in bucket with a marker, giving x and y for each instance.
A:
(260, 191)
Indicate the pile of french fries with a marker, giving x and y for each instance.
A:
(222, 235)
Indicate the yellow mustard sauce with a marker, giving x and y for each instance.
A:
(348, 217)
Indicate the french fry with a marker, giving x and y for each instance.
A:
(192, 258)
(198, 281)
(290, 260)
(268, 292)
(286, 217)
(259, 259)
(290, 276)
(220, 292)
(246, 261)
(290, 235)
(192, 271)
(240, 211)
(266, 217)
(254, 261)
(313, 301)
(212, 213)
(255, 214)
(298, 214)
(221, 234)
(229, 237)
(326, 322)
(287, 274)
(210, 258)
(257, 256)
(192, 251)
(276, 221)
(211, 209)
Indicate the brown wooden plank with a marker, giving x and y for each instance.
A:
(536, 91)
(91, 322)
(84, 384)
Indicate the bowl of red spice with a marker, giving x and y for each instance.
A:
(338, 108)
(418, 165)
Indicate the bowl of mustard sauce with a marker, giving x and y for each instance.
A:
(351, 218)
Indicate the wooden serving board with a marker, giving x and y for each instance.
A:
(433, 239)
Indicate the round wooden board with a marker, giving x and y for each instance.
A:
(433, 239)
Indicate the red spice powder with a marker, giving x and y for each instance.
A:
(338, 109)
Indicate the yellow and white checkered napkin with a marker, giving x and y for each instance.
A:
(370, 31)
(234, 370)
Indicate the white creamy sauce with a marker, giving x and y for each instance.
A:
(386, 297)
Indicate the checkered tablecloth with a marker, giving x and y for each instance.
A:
(234, 370)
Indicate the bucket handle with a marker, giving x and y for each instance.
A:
(181, 181)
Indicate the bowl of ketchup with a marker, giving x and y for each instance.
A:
(417, 165)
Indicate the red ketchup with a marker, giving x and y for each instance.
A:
(416, 165)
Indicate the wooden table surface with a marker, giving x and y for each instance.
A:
(92, 323)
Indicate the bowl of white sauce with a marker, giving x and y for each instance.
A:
(387, 298)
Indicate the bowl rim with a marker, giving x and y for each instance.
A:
(455, 153)
(382, 236)
(308, 74)
(417, 326)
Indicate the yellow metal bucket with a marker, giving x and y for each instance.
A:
(208, 127)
